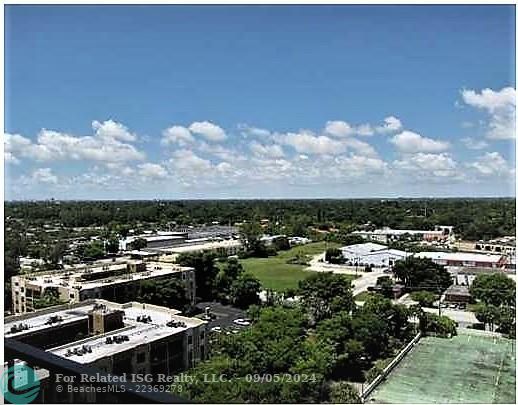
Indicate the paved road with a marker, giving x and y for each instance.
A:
(462, 317)
(359, 285)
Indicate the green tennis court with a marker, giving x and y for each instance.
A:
(470, 368)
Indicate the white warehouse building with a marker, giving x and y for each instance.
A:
(371, 254)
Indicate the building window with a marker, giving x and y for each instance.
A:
(141, 357)
(189, 339)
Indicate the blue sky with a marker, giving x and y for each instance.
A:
(259, 101)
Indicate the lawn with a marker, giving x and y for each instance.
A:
(469, 368)
(275, 273)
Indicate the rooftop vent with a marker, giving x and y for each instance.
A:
(176, 324)
(53, 319)
(19, 327)
(144, 318)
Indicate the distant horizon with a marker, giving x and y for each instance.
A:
(267, 199)
(109, 102)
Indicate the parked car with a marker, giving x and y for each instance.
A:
(242, 322)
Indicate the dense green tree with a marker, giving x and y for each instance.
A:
(205, 271)
(422, 274)
(245, 291)
(49, 298)
(138, 244)
(228, 273)
(494, 289)
(334, 256)
(343, 392)
(250, 234)
(507, 321)
(94, 250)
(112, 245)
(323, 294)
(281, 243)
(386, 284)
(441, 325)
(424, 298)
(165, 292)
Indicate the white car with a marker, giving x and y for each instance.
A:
(216, 329)
(242, 322)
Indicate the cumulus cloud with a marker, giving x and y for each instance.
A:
(360, 147)
(390, 124)
(176, 135)
(208, 130)
(113, 130)
(474, 144)
(253, 131)
(152, 171)
(364, 130)
(501, 108)
(258, 149)
(104, 146)
(311, 144)
(186, 160)
(428, 165)
(491, 164)
(411, 142)
(341, 129)
(338, 128)
(45, 176)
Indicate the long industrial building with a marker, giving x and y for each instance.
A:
(385, 235)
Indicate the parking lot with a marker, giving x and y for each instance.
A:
(223, 317)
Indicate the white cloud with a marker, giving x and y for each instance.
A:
(254, 131)
(391, 124)
(118, 168)
(185, 160)
(274, 151)
(338, 128)
(176, 134)
(208, 130)
(360, 147)
(311, 144)
(364, 130)
(411, 142)
(501, 107)
(113, 130)
(474, 144)
(50, 145)
(44, 175)
(491, 164)
(152, 171)
(428, 165)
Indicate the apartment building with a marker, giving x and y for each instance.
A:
(113, 280)
(130, 338)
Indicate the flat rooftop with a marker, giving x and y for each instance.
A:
(363, 248)
(138, 332)
(192, 247)
(460, 256)
(75, 278)
(390, 231)
(472, 367)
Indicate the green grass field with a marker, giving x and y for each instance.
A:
(470, 368)
(275, 273)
